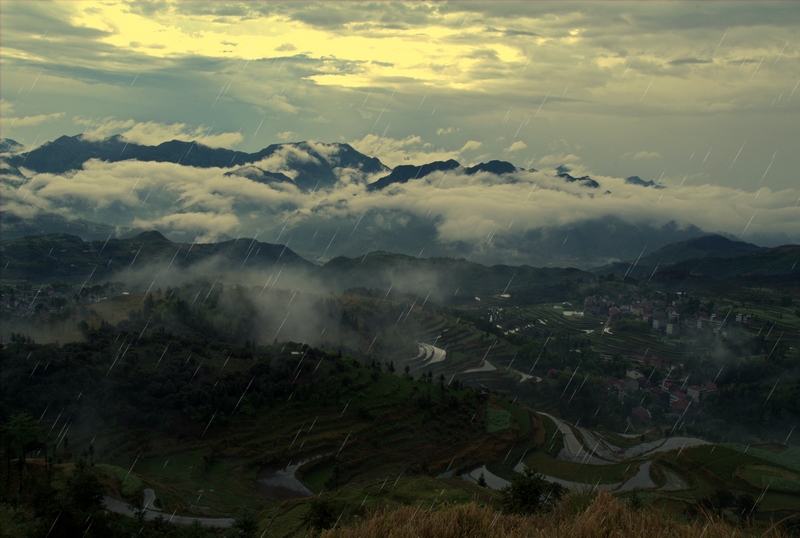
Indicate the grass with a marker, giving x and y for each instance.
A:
(603, 515)
(179, 478)
(497, 420)
(355, 502)
(520, 416)
(786, 456)
(766, 476)
(719, 460)
(316, 478)
(130, 485)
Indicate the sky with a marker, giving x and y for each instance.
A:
(700, 97)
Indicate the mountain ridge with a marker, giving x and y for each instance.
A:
(68, 153)
(711, 255)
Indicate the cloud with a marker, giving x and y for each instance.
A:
(647, 155)
(209, 227)
(559, 159)
(104, 128)
(700, 96)
(471, 145)
(283, 158)
(151, 133)
(286, 47)
(409, 150)
(452, 208)
(287, 135)
(33, 120)
(516, 146)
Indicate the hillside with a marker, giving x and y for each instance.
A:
(65, 256)
(174, 397)
(770, 262)
(712, 256)
(462, 278)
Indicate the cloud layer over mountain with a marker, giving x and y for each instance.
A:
(485, 216)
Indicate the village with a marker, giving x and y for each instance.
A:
(669, 317)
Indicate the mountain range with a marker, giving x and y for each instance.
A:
(324, 199)
(711, 255)
(63, 256)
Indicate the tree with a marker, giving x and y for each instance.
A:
(321, 514)
(482, 481)
(718, 501)
(84, 490)
(529, 493)
(746, 507)
(245, 524)
(22, 435)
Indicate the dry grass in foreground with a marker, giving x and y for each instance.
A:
(604, 517)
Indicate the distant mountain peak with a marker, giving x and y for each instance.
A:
(254, 173)
(493, 167)
(406, 172)
(7, 145)
(636, 180)
(151, 235)
(562, 169)
(586, 181)
(716, 242)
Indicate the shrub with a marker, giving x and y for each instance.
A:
(530, 493)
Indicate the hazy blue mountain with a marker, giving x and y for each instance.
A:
(44, 223)
(763, 262)
(584, 244)
(690, 251)
(381, 269)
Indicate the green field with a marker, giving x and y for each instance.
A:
(766, 476)
(786, 456)
(497, 420)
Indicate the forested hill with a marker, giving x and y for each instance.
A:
(64, 256)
